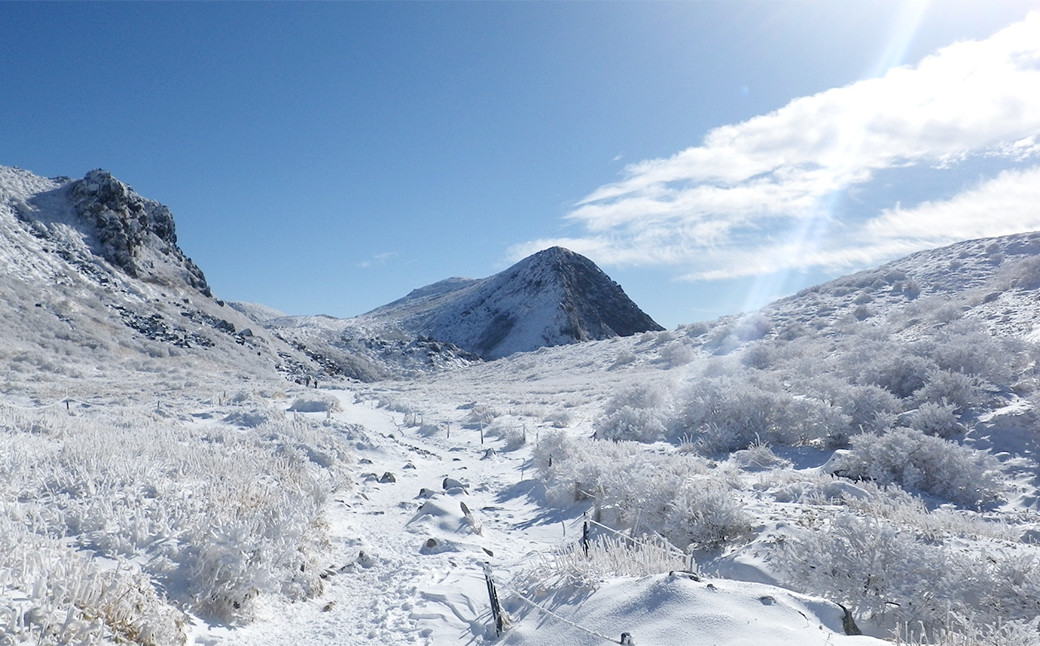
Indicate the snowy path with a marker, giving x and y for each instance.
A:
(407, 558)
(386, 584)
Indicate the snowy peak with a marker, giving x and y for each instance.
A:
(553, 297)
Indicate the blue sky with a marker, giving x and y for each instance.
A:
(709, 156)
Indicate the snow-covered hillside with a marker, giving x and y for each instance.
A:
(94, 282)
(858, 458)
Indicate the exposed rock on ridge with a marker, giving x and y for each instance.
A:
(122, 222)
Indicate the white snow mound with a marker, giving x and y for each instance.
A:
(675, 609)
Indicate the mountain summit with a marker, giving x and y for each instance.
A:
(553, 297)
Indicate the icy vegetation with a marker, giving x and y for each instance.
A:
(858, 458)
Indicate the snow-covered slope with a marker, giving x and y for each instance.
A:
(93, 276)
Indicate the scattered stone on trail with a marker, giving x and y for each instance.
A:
(387, 478)
(451, 483)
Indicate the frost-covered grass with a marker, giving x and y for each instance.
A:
(572, 566)
(115, 523)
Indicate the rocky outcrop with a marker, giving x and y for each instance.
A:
(123, 222)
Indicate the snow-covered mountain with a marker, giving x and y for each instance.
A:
(92, 275)
(553, 297)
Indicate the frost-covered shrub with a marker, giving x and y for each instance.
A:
(899, 373)
(628, 423)
(510, 430)
(753, 327)
(956, 389)
(871, 408)
(672, 494)
(967, 347)
(758, 355)
(558, 418)
(676, 354)
(927, 464)
(640, 396)
(968, 631)
(318, 403)
(882, 572)
(607, 556)
(758, 457)
(624, 358)
(481, 415)
(936, 419)
(727, 414)
(636, 413)
(67, 597)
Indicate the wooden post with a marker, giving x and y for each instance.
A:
(585, 538)
(496, 608)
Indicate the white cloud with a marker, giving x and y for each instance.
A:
(1007, 204)
(756, 197)
(378, 260)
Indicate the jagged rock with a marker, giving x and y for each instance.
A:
(123, 221)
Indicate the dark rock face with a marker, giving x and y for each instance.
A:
(597, 307)
(123, 222)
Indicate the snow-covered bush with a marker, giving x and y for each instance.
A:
(937, 419)
(511, 430)
(930, 465)
(628, 423)
(52, 594)
(316, 403)
(954, 388)
(670, 494)
(677, 353)
(758, 355)
(636, 413)
(758, 457)
(885, 574)
(897, 372)
(961, 631)
(871, 409)
(728, 414)
(967, 347)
